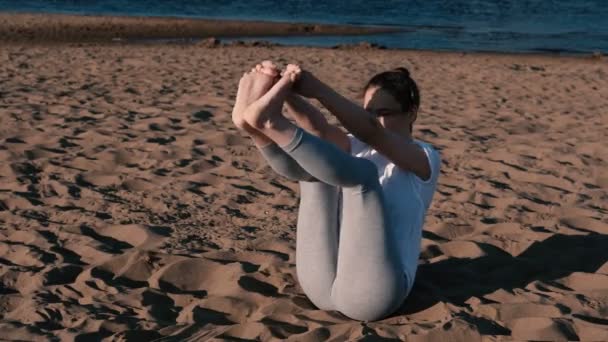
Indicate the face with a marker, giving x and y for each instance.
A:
(387, 109)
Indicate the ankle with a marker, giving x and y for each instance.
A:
(239, 122)
(258, 121)
(267, 122)
(276, 123)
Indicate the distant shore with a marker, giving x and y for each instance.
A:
(54, 28)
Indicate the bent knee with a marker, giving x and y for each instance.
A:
(370, 305)
(369, 311)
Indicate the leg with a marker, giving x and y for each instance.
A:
(317, 235)
(320, 158)
(312, 121)
(370, 282)
(306, 115)
(251, 87)
(327, 162)
(317, 241)
(264, 114)
(283, 164)
(249, 91)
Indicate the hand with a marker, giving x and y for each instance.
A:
(306, 83)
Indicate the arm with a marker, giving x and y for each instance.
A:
(367, 128)
(312, 120)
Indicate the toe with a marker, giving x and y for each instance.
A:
(270, 72)
(267, 72)
(269, 64)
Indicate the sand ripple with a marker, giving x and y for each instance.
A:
(131, 209)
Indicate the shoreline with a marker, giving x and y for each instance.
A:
(213, 43)
(64, 28)
(50, 28)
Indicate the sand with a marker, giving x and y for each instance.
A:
(132, 209)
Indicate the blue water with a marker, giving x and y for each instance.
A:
(570, 26)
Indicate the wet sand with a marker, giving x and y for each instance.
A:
(45, 28)
(131, 208)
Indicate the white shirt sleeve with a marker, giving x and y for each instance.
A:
(434, 162)
(356, 145)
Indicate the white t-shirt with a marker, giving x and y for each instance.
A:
(407, 198)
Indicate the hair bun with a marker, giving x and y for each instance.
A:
(403, 71)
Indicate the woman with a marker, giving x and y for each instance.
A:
(363, 195)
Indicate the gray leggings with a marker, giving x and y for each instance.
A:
(352, 266)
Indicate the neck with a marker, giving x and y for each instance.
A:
(405, 133)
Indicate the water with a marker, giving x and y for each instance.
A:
(564, 26)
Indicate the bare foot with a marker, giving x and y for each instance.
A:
(269, 68)
(252, 86)
(262, 112)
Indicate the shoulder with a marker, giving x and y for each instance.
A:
(434, 160)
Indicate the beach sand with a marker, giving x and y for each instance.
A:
(132, 209)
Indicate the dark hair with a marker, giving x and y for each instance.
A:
(399, 84)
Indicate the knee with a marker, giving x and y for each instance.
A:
(369, 310)
(315, 285)
(370, 305)
(288, 170)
